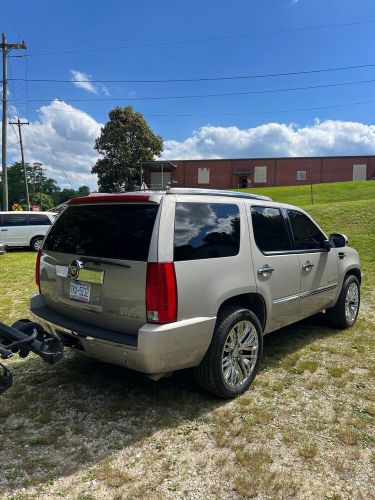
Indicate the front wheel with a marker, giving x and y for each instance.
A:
(232, 360)
(344, 313)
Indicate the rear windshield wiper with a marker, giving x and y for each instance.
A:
(102, 260)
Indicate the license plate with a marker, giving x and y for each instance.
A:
(80, 291)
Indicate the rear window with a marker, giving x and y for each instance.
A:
(39, 220)
(109, 231)
(206, 231)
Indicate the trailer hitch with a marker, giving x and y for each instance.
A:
(22, 338)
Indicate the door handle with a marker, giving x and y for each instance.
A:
(307, 265)
(265, 270)
(4, 229)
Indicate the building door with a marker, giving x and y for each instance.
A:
(243, 182)
(160, 180)
(359, 172)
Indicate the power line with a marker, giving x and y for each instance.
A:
(199, 79)
(50, 150)
(170, 115)
(196, 96)
(201, 40)
(2, 13)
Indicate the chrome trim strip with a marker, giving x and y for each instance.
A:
(318, 290)
(304, 294)
(286, 299)
(80, 305)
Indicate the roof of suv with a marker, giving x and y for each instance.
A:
(156, 195)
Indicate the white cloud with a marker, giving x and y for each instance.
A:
(330, 137)
(62, 139)
(82, 81)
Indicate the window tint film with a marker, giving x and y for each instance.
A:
(269, 228)
(306, 234)
(14, 220)
(109, 231)
(39, 220)
(206, 231)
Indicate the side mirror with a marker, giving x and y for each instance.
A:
(338, 240)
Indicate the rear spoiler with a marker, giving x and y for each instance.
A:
(97, 198)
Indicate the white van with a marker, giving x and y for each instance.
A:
(24, 229)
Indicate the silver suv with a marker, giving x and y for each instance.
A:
(160, 281)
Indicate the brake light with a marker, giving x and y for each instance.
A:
(161, 293)
(37, 269)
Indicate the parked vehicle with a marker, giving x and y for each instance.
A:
(25, 229)
(3, 247)
(158, 282)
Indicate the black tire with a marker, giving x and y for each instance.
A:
(338, 316)
(36, 243)
(210, 373)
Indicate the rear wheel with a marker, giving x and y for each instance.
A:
(36, 243)
(344, 313)
(232, 360)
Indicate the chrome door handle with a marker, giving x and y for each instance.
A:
(307, 265)
(265, 270)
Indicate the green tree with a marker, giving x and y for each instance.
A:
(37, 182)
(125, 141)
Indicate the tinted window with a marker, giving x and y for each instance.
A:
(39, 220)
(110, 231)
(206, 231)
(269, 228)
(306, 234)
(14, 220)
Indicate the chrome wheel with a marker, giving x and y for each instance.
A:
(240, 354)
(351, 302)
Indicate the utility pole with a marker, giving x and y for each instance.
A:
(5, 48)
(19, 123)
(39, 169)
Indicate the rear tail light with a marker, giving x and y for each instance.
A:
(37, 269)
(161, 293)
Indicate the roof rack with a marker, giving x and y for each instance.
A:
(217, 192)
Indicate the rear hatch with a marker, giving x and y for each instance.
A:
(94, 261)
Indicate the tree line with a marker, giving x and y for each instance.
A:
(43, 190)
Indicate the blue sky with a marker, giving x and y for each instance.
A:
(247, 38)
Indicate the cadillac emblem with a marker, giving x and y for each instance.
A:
(74, 269)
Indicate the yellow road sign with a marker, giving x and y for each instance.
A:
(17, 207)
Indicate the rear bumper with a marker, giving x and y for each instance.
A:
(156, 349)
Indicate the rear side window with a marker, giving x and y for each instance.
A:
(307, 235)
(269, 228)
(206, 231)
(14, 220)
(39, 220)
(109, 231)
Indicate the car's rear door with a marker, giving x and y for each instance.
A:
(94, 263)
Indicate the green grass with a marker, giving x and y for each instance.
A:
(305, 429)
(322, 193)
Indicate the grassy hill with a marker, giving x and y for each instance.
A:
(322, 193)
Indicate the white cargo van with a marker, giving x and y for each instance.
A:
(25, 229)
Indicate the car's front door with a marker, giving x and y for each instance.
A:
(318, 267)
(276, 266)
